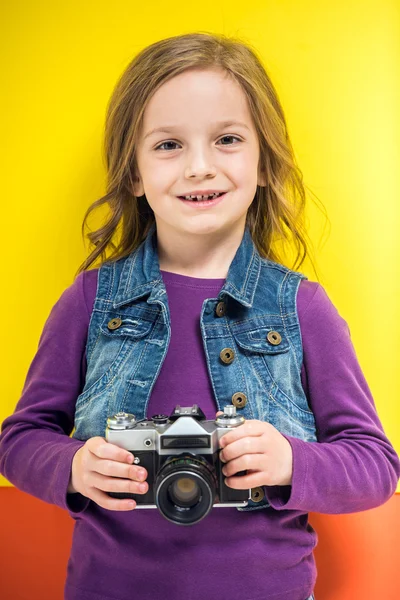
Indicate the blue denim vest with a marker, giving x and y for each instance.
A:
(260, 328)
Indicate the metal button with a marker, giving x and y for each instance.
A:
(227, 355)
(220, 309)
(257, 494)
(114, 323)
(239, 400)
(274, 338)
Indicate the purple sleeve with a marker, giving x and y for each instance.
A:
(36, 451)
(353, 466)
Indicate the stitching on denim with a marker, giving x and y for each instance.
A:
(145, 351)
(288, 413)
(282, 290)
(260, 377)
(132, 264)
(102, 270)
(123, 356)
(94, 343)
(242, 290)
(111, 283)
(301, 352)
(111, 308)
(244, 321)
(241, 370)
(89, 343)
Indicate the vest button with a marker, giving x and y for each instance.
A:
(274, 338)
(114, 323)
(227, 355)
(257, 494)
(239, 400)
(220, 309)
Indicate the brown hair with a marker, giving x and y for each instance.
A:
(276, 214)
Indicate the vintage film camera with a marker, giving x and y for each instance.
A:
(181, 456)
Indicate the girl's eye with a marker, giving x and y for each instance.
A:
(171, 142)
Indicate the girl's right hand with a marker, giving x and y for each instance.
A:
(99, 467)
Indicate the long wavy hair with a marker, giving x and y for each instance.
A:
(275, 217)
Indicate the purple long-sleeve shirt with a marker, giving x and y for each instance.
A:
(265, 554)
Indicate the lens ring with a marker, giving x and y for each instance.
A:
(195, 469)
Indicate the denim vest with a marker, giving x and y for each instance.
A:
(259, 330)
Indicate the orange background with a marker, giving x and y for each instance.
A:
(357, 555)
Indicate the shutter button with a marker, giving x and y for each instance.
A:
(114, 323)
(274, 338)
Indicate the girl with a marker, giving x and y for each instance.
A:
(194, 307)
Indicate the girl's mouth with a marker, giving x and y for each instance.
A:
(203, 203)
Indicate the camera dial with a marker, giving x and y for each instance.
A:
(122, 420)
(229, 418)
(160, 419)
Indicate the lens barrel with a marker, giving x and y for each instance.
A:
(185, 489)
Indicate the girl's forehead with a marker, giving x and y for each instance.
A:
(207, 82)
(200, 95)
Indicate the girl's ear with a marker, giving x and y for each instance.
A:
(138, 189)
(261, 177)
(262, 180)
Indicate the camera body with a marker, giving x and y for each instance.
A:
(181, 456)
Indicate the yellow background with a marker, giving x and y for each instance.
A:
(336, 70)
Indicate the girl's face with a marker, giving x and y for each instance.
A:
(196, 149)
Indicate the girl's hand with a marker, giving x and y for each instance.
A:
(259, 448)
(99, 467)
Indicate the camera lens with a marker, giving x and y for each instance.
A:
(184, 492)
(185, 489)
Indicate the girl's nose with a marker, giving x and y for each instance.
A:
(200, 165)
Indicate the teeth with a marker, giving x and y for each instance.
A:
(211, 196)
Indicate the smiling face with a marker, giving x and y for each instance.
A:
(198, 150)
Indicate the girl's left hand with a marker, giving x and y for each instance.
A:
(259, 448)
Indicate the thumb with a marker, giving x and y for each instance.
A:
(219, 412)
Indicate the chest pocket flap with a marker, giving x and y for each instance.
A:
(263, 340)
(117, 327)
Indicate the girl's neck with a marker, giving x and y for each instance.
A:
(197, 256)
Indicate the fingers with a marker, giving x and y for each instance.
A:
(113, 484)
(118, 469)
(243, 446)
(112, 460)
(252, 462)
(100, 467)
(103, 449)
(245, 482)
(105, 501)
(249, 428)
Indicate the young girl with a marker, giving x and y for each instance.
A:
(195, 308)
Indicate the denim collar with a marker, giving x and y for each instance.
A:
(141, 274)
